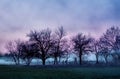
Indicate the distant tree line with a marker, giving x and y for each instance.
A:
(46, 44)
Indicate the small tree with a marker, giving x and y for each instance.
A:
(14, 50)
(29, 50)
(67, 50)
(96, 49)
(81, 45)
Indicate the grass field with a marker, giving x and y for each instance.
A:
(21, 72)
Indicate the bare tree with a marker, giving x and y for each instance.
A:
(67, 50)
(44, 42)
(96, 49)
(59, 42)
(81, 45)
(105, 50)
(29, 50)
(116, 48)
(108, 41)
(14, 50)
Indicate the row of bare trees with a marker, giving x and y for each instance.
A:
(45, 44)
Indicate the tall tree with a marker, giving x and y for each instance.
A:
(81, 45)
(96, 49)
(59, 43)
(44, 42)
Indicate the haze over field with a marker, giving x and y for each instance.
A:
(18, 17)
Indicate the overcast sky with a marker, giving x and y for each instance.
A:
(18, 17)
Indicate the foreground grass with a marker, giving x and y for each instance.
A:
(15, 72)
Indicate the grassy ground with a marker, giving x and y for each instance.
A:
(15, 72)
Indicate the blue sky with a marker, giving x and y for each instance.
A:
(18, 17)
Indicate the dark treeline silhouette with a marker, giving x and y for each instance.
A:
(46, 44)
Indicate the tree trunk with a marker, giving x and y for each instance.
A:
(15, 60)
(80, 57)
(18, 61)
(59, 60)
(43, 61)
(55, 61)
(106, 59)
(28, 61)
(97, 59)
(43, 58)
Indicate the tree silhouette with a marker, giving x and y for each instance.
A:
(59, 42)
(108, 41)
(14, 49)
(44, 42)
(116, 48)
(29, 50)
(81, 45)
(96, 49)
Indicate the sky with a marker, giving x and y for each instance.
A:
(92, 17)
